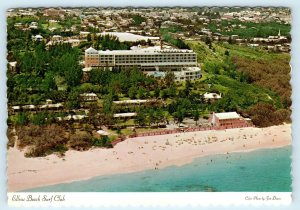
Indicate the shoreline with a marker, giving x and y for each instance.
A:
(139, 154)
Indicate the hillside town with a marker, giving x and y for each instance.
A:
(197, 24)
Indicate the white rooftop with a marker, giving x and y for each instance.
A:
(91, 50)
(211, 96)
(130, 101)
(13, 64)
(38, 36)
(58, 105)
(87, 69)
(102, 132)
(84, 32)
(128, 37)
(89, 94)
(227, 115)
(128, 114)
(139, 50)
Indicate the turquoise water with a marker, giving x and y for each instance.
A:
(266, 170)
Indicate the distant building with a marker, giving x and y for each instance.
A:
(51, 12)
(12, 66)
(73, 42)
(33, 25)
(37, 38)
(89, 96)
(211, 97)
(129, 37)
(228, 120)
(57, 38)
(127, 115)
(188, 73)
(148, 59)
(83, 34)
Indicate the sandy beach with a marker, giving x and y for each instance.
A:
(138, 154)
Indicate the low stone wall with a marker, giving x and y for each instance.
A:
(183, 130)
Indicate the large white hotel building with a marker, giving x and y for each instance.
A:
(182, 62)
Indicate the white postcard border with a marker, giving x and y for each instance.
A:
(179, 199)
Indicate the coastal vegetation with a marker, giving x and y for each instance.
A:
(47, 139)
(251, 81)
(248, 78)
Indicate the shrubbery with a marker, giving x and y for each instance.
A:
(44, 140)
(264, 115)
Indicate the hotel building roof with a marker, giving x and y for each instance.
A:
(134, 51)
(227, 115)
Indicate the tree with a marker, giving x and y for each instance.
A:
(39, 119)
(159, 116)
(21, 118)
(89, 37)
(72, 70)
(48, 83)
(141, 93)
(107, 104)
(264, 115)
(141, 118)
(196, 116)
(164, 94)
(226, 53)
(208, 41)
(151, 116)
(179, 116)
(156, 92)
(73, 100)
(80, 141)
(172, 91)
(93, 115)
(169, 79)
(187, 88)
(132, 92)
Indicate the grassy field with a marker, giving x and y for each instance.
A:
(51, 25)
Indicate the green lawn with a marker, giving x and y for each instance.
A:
(51, 25)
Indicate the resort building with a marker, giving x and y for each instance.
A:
(35, 108)
(211, 97)
(188, 73)
(138, 103)
(147, 59)
(228, 120)
(88, 97)
(127, 115)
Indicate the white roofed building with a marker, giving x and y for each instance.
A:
(125, 115)
(129, 37)
(37, 38)
(211, 97)
(228, 120)
(89, 96)
(147, 59)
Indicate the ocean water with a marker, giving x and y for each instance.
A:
(265, 170)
